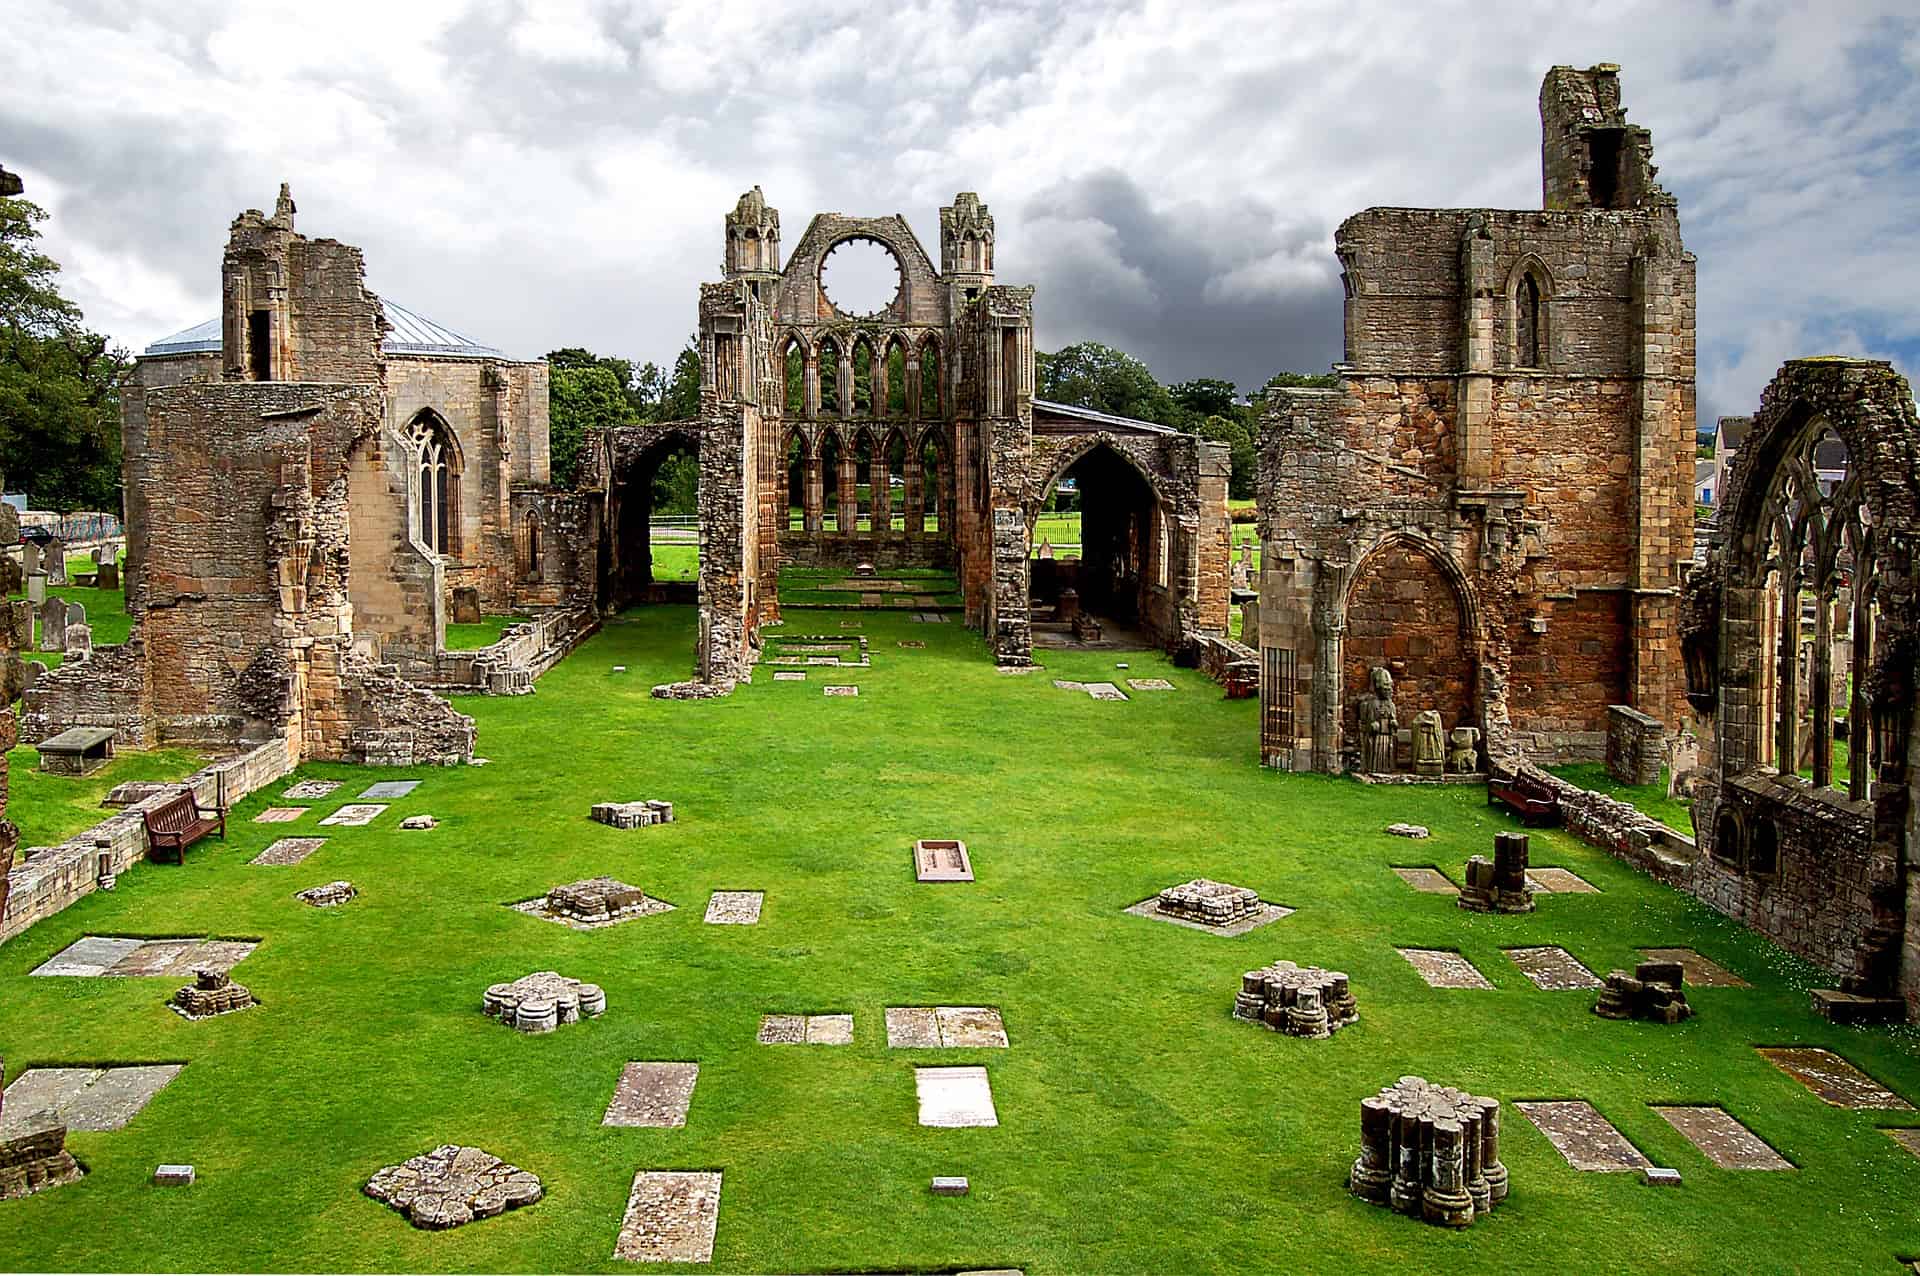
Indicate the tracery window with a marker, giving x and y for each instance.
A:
(435, 455)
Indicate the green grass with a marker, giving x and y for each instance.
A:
(51, 808)
(676, 562)
(106, 616)
(1648, 799)
(806, 586)
(1064, 529)
(1142, 1129)
(483, 634)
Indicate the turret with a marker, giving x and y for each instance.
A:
(966, 245)
(1590, 157)
(753, 244)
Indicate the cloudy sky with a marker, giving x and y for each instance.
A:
(540, 173)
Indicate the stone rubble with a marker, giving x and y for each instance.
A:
(596, 899)
(632, 815)
(211, 993)
(1301, 1001)
(542, 1001)
(1415, 831)
(329, 895)
(452, 1186)
(1209, 902)
(1431, 1151)
(1656, 991)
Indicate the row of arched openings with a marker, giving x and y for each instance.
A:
(867, 482)
(861, 379)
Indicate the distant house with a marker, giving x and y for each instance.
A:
(1705, 481)
(1710, 477)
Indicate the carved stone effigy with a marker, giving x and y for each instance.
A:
(632, 815)
(596, 899)
(452, 1185)
(1209, 903)
(1500, 886)
(1429, 743)
(211, 993)
(1301, 1001)
(542, 1001)
(33, 1153)
(1430, 1151)
(1379, 724)
(1655, 991)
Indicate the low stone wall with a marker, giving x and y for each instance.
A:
(107, 689)
(50, 878)
(1229, 663)
(1636, 745)
(524, 652)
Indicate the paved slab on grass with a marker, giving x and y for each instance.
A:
(1553, 969)
(1560, 881)
(1105, 691)
(1265, 915)
(1444, 968)
(1426, 879)
(954, 1027)
(1907, 1137)
(289, 850)
(96, 956)
(841, 691)
(812, 1030)
(1150, 684)
(671, 1217)
(652, 1095)
(155, 957)
(789, 675)
(954, 1098)
(1833, 1079)
(911, 644)
(1701, 972)
(829, 1030)
(1587, 1139)
(734, 908)
(387, 790)
(1722, 1139)
(1067, 684)
(912, 1028)
(89, 956)
(941, 859)
(308, 790)
(281, 814)
(354, 815)
(88, 1098)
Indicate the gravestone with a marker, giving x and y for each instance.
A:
(108, 577)
(36, 587)
(30, 557)
(55, 563)
(1683, 759)
(52, 614)
(1586, 1139)
(1444, 968)
(465, 609)
(671, 1217)
(652, 1095)
(1722, 1139)
(1553, 969)
(954, 1098)
(79, 642)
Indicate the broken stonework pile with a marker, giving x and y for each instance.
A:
(33, 1152)
(544, 1000)
(327, 896)
(1499, 887)
(1655, 991)
(597, 899)
(1209, 902)
(211, 993)
(632, 815)
(1431, 1151)
(452, 1185)
(1301, 1001)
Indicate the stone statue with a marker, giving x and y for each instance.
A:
(1429, 747)
(1463, 750)
(1379, 722)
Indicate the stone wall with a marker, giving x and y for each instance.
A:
(1635, 746)
(107, 689)
(1404, 615)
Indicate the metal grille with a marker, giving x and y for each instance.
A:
(1276, 707)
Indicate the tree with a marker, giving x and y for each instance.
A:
(1090, 375)
(1238, 434)
(680, 399)
(1204, 397)
(582, 395)
(59, 382)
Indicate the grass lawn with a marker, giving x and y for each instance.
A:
(484, 634)
(106, 616)
(1648, 799)
(805, 587)
(1141, 1128)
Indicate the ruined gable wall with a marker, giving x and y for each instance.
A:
(337, 325)
(148, 374)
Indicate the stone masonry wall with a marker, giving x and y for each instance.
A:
(1403, 615)
(1635, 746)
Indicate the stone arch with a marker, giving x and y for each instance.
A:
(531, 548)
(1123, 569)
(796, 472)
(1530, 291)
(629, 573)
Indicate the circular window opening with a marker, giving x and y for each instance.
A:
(860, 277)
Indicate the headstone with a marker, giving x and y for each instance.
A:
(1429, 749)
(79, 642)
(30, 557)
(108, 577)
(12, 576)
(1683, 759)
(1046, 548)
(56, 562)
(1068, 609)
(1660, 1176)
(1250, 622)
(53, 624)
(36, 587)
(419, 822)
(1379, 723)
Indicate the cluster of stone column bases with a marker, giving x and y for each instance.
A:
(211, 993)
(1431, 1151)
(1656, 991)
(632, 815)
(542, 1001)
(1301, 1001)
(1209, 903)
(1499, 886)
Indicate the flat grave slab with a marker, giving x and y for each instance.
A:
(308, 790)
(1150, 684)
(671, 1217)
(652, 1095)
(1444, 968)
(939, 859)
(911, 644)
(1561, 881)
(1833, 1079)
(289, 850)
(387, 790)
(1426, 879)
(954, 1098)
(734, 908)
(789, 675)
(355, 815)
(829, 1030)
(96, 956)
(1067, 684)
(1585, 1138)
(88, 1098)
(841, 691)
(1906, 1136)
(280, 814)
(1553, 969)
(809, 1030)
(1105, 691)
(953, 1027)
(929, 618)
(1701, 972)
(1722, 1139)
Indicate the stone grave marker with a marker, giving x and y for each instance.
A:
(734, 908)
(1426, 879)
(452, 1186)
(79, 642)
(56, 562)
(329, 895)
(950, 1185)
(1722, 1139)
(1833, 1079)
(1553, 969)
(1105, 691)
(1150, 684)
(1906, 1136)
(355, 815)
(1066, 684)
(1444, 968)
(97, 956)
(281, 815)
(173, 1176)
(387, 790)
(1701, 972)
(30, 557)
(951, 1027)
(1560, 881)
(52, 614)
(1418, 832)
(1586, 1139)
(289, 850)
(829, 1030)
(789, 675)
(308, 790)
(842, 691)
(652, 1095)
(783, 1030)
(671, 1217)
(36, 588)
(954, 1098)
(108, 577)
(941, 860)
(94, 1099)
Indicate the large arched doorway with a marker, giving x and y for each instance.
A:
(1109, 543)
(1405, 613)
(654, 509)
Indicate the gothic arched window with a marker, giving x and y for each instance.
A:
(437, 470)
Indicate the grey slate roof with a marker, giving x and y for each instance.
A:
(1049, 408)
(408, 333)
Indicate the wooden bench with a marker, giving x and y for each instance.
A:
(1534, 803)
(179, 822)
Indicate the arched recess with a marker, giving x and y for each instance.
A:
(388, 565)
(931, 384)
(833, 511)
(793, 363)
(435, 487)
(660, 482)
(1529, 327)
(1408, 607)
(794, 457)
(1115, 570)
(531, 547)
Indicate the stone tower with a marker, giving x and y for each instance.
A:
(753, 244)
(966, 246)
(1590, 157)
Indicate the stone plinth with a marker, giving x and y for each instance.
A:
(1500, 886)
(1655, 991)
(542, 1001)
(1430, 1151)
(596, 899)
(632, 815)
(453, 1185)
(34, 1156)
(1301, 1001)
(211, 993)
(1209, 903)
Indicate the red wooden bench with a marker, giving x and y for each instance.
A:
(1535, 803)
(179, 822)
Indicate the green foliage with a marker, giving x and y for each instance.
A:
(676, 485)
(582, 396)
(1090, 375)
(59, 383)
(1237, 432)
(1205, 397)
(680, 396)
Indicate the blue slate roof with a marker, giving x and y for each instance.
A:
(408, 333)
